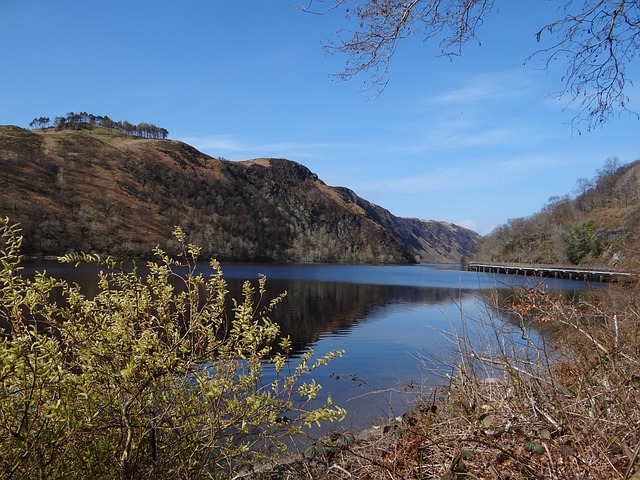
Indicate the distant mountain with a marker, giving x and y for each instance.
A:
(102, 191)
(599, 224)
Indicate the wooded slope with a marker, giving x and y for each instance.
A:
(105, 192)
(596, 225)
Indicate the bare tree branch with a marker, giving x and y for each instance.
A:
(597, 39)
(382, 24)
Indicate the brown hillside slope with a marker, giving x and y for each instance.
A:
(93, 191)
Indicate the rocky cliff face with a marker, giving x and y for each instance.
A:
(422, 240)
(93, 191)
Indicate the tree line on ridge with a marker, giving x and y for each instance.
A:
(83, 119)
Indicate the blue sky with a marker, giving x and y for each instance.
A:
(475, 140)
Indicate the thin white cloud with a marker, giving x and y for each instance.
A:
(470, 224)
(442, 134)
(482, 173)
(448, 138)
(213, 143)
(487, 87)
(484, 110)
(233, 147)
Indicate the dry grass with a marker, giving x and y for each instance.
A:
(513, 410)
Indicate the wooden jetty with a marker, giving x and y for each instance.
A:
(573, 272)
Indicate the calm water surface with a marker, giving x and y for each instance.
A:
(386, 318)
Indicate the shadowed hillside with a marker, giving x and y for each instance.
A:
(101, 191)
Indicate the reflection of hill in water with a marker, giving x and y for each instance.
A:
(312, 309)
(315, 308)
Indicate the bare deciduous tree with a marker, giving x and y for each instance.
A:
(597, 39)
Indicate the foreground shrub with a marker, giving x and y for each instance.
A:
(148, 378)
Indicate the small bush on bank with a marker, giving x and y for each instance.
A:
(148, 378)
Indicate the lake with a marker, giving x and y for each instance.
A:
(389, 319)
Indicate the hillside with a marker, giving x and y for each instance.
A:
(104, 192)
(597, 225)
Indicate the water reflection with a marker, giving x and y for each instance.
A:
(312, 310)
(385, 317)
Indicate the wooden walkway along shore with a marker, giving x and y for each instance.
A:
(573, 272)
